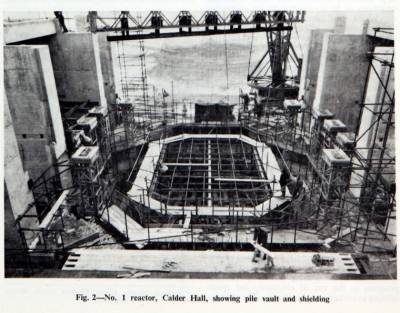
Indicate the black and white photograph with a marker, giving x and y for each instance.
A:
(201, 144)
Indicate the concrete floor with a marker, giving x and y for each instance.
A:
(211, 261)
(140, 235)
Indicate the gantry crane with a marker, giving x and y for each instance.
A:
(273, 79)
(269, 77)
(157, 25)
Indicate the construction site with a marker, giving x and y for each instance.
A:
(199, 145)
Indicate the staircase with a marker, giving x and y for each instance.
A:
(120, 221)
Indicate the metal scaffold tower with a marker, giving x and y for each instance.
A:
(91, 166)
(133, 78)
(133, 111)
(349, 176)
(374, 153)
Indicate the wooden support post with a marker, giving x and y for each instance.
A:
(43, 231)
(62, 239)
(295, 228)
(126, 225)
(191, 235)
(388, 215)
(341, 208)
(147, 192)
(272, 232)
(148, 225)
(237, 226)
(357, 223)
(210, 198)
(62, 220)
(317, 215)
(367, 229)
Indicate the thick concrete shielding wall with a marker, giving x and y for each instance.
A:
(15, 178)
(341, 78)
(77, 67)
(107, 68)
(34, 107)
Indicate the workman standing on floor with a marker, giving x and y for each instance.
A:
(284, 181)
(60, 18)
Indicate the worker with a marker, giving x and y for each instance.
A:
(163, 168)
(60, 18)
(246, 100)
(184, 110)
(270, 262)
(319, 260)
(284, 180)
(117, 99)
(118, 110)
(258, 109)
(124, 24)
(381, 204)
(86, 140)
(298, 187)
(262, 254)
(256, 256)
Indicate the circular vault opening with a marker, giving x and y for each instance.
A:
(208, 174)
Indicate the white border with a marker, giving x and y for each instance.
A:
(57, 295)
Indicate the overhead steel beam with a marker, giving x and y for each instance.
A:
(381, 42)
(209, 19)
(203, 32)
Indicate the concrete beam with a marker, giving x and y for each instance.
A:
(312, 62)
(107, 68)
(25, 30)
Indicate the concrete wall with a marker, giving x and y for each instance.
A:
(341, 78)
(12, 239)
(15, 178)
(34, 107)
(25, 30)
(313, 58)
(77, 67)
